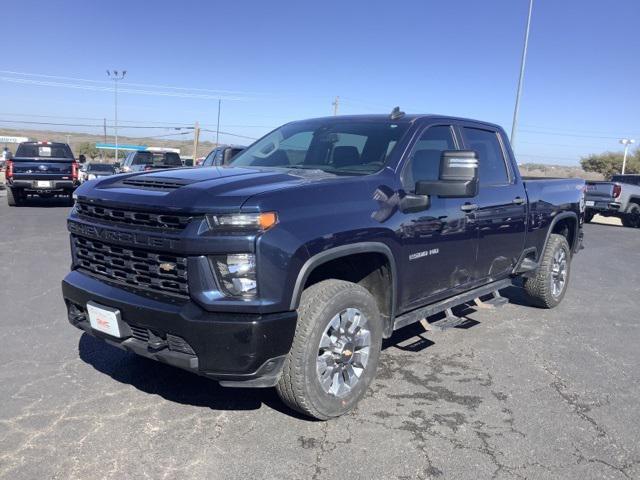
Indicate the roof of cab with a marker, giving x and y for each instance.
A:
(406, 118)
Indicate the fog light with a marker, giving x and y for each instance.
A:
(237, 274)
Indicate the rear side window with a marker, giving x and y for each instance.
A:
(425, 159)
(492, 169)
(630, 179)
(172, 159)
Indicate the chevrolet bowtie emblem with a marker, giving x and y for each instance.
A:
(167, 267)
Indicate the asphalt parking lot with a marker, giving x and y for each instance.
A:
(523, 393)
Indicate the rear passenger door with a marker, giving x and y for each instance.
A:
(501, 204)
(439, 243)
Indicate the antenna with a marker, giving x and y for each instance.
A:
(396, 114)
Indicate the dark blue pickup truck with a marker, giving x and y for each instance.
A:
(43, 169)
(288, 267)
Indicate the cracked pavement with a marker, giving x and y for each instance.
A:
(522, 393)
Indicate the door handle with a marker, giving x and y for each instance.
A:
(468, 207)
(518, 201)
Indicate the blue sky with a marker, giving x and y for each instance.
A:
(272, 62)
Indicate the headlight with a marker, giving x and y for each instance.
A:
(237, 274)
(243, 221)
(92, 176)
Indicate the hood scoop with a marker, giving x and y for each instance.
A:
(150, 183)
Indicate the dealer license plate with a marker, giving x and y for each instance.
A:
(104, 319)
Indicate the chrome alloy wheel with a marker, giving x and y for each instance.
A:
(343, 352)
(558, 272)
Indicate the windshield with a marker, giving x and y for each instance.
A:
(332, 145)
(100, 167)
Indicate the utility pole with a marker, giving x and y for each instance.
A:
(516, 110)
(68, 139)
(626, 142)
(196, 139)
(104, 129)
(335, 106)
(116, 77)
(218, 125)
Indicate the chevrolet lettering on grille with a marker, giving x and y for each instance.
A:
(120, 237)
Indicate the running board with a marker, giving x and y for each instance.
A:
(447, 304)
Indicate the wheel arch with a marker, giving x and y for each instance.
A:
(345, 252)
(568, 218)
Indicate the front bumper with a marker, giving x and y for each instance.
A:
(236, 349)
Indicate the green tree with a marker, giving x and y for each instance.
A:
(610, 163)
(88, 150)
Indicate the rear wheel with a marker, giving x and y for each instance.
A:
(335, 350)
(588, 216)
(14, 197)
(548, 287)
(632, 216)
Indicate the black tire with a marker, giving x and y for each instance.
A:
(631, 218)
(588, 216)
(14, 197)
(299, 386)
(541, 287)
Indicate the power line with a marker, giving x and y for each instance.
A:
(568, 134)
(227, 133)
(144, 122)
(97, 88)
(560, 129)
(144, 85)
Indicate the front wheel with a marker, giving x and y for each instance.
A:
(549, 285)
(335, 350)
(632, 216)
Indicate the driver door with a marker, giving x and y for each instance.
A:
(439, 243)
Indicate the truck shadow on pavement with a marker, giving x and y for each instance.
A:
(173, 384)
(52, 202)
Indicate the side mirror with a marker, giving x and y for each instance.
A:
(458, 176)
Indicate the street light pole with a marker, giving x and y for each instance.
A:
(521, 79)
(626, 142)
(218, 124)
(116, 77)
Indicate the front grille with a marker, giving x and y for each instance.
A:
(131, 217)
(137, 269)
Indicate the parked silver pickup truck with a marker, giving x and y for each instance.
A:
(618, 198)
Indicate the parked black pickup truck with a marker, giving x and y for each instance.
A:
(45, 169)
(288, 267)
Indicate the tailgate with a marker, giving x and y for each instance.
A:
(599, 191)
(26, 169)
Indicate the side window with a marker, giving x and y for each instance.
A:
(207, 162)
(173, 159)
(142, 158)
(424, 163)
(492, 168)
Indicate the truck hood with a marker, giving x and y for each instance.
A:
(194, 190)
